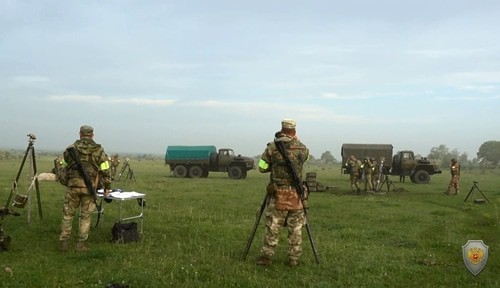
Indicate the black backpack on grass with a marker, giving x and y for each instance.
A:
(125, 232)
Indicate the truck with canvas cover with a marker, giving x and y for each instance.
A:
(403, 163)
(198, 161)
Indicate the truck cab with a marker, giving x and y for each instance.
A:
(236, 166)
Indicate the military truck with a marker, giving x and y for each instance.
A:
(403, 163)
(198, 161)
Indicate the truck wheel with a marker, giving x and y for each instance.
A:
(195, 172)
(235, 172)
(421, 177)
(180, 171)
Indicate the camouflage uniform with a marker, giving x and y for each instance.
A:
(285, 204)
(353, 166)
(95, 162)
(368, 173)
(115, 162)
(455, 177)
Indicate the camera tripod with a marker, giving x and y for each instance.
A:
(474, 187)
(21, 200)
(130, 172)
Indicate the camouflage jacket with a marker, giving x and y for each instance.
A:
(352, 166)
(455, 169)
(276, 163)
(94, 160)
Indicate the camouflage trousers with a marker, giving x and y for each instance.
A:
(454, 184)
(354, 182)
(77, 198)
(275, 220)
(368, 182)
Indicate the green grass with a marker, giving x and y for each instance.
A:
(195, 231)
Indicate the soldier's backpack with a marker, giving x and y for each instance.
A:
(60, 171)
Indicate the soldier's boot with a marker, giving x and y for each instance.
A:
(264, 261)
(63, 245)
(457, 192)
(81, 246)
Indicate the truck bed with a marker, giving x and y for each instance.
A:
(189, 153)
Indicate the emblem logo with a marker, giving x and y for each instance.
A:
(475, 254)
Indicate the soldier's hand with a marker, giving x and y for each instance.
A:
(106, 192)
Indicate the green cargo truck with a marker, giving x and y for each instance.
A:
(403, 163)
(198, 161)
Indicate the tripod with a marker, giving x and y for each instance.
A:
(386, 181)
(474, 186)
(130, 172)
(20, 200)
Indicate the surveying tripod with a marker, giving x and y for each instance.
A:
(130, 172)
(21, 200)
(386, 181)
(383, 173)
(474, 187)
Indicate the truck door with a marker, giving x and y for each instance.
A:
(407, 163)
(225, 156)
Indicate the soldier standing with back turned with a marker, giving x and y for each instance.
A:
(285, 205)
(353, 167)
(95, 162)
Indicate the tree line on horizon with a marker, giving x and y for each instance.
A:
(488, 156)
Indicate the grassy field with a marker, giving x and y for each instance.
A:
(195, 231)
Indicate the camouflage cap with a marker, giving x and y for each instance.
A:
(86, 130)
(288, 124)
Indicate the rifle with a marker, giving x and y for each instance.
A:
(255, 225)
(86, 178)
(300, 189)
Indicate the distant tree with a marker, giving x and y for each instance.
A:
(439, 153)
(444, 155)
(327, 157)
(490, 151)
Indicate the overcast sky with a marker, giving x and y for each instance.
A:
(147, 74)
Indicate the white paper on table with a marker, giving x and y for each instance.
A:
(125, 195)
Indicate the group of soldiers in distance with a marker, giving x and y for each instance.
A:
(368, 171)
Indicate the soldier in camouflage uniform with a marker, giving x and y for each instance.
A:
(353, 166)
(367, 168)
(115, 162)
(455, 177)
(95, 162)
(284, 203)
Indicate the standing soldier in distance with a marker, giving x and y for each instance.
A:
(285, 206)
(367, 168)
(115, 162)
(353, 168)
(455, 177)
(95, 163)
